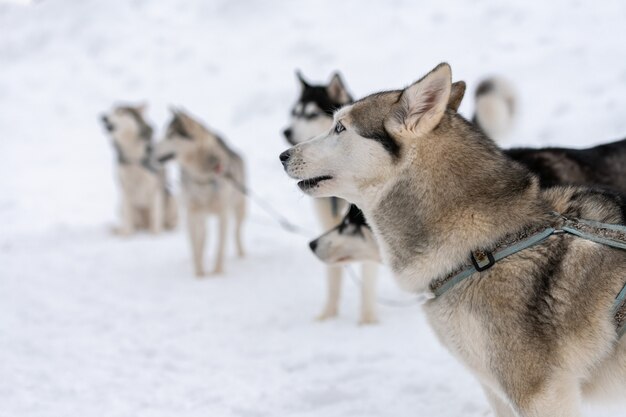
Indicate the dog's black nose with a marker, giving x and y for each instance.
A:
(287, 133)
(313, 245)
(284, 157)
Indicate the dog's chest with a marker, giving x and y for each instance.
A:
(138, 183)
(212, 196)
(463, 334)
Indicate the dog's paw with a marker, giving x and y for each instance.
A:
(218, 271)
(368, 320)
(200, 274)
(121, 231)
(326, 315)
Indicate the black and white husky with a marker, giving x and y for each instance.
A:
(311, 115)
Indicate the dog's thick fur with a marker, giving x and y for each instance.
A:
(601, 166)
(211, 174)
(537, 328)
(311, 115)
(146, 203)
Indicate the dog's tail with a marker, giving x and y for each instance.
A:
(495, 107)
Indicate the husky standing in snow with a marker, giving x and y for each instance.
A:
(146, 201)
(213, 179)
(310, 116)
(536, 328)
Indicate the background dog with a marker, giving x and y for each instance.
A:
(146, 203)
(311, 115)
(212, 175)
(536, 329)
(495, 107)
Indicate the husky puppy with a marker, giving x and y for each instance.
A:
(213, 180)
(146, 201)
(311, 115)
(536, 328)
(495, 107)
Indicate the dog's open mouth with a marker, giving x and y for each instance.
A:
(313, 182)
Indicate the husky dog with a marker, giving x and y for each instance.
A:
(536, 328)
(350, 241)
(600, 166)
(213, 180)
(146, 201)
(495, 107)
(310, 116)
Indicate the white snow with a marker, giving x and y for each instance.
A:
(95, 325)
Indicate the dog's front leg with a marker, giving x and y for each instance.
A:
(559, 396)
(128, 215)
(221, 243)
(369, 272)
(196, 225)
(240, 214)
(157, 213)
(331, 309)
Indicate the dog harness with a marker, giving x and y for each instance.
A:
(146, 162)
(613, 235)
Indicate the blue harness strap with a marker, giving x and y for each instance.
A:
(613, 235)
(619, 312)
(478, 266)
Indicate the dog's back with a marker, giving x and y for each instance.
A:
(603, 165)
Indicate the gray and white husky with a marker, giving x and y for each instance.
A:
(213, 179)
(311, 115)
(537, 328)
(146, 203)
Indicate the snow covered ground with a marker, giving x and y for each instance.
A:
(95, 325)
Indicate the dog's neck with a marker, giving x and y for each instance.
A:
(457, 194)
(132, 150)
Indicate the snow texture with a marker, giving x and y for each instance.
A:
(95, 325)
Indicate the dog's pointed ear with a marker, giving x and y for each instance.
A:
(141, 108)
(337, 89)
(456, 95)
(301, 81)
(422, 104)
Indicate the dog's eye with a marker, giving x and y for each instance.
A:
(339, 128)
(312, 115)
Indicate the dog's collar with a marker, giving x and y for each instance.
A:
(613, 235)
